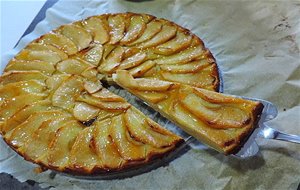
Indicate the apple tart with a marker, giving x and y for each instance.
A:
(55, 111)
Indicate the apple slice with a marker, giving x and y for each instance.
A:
(168, 31)
(72, 66)
(112, 61)
(104, 147)
(21, 115)
(124, 79)
(152, 28)
(107, 96)
(98, 27)
(10, 106)
(182, 57)
(216, 115)
(84, 112)
(22, 133)
(212, 97)
(77, 34)
(203, 79)
(210, 136)
(93, 55)
(37, 148)
(140, 70)
(59, 41)
(66, 94)
(20, 88)
(92, 86)
(62, 143)
(128, 148)
(139, 128)
(117, 27)
(91, 73)
(42, 55)
(190, 67)
(36, 65)
(182, 40)
(55, 81)
(133, 61)
(97, 102)
(83, 156)
(16, 76)
(46, 47)
(135, 29)
(107, 50)
(153, 97)
(147, 18)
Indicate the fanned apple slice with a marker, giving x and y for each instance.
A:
(112, 61)
(10, 106)
(142, 68)
(107, 50)
(42, 55)
(46, 47)
(182, 57)
(139, 128)
(190, 67)
(55, 81)
(22, 133)
(21, 115)
(135, 29)
(222, 117)
(72, 66)
(123, 77)
(151, 96)
(104, 146)
(84, 112)
(24, 65)
(66, 94)
(59, 41)
(217, 115)
(182, 40)
(117, 27)
(38, 145)
(83, 157)
(93, 55)
(152, 28)
(197, 128)
(168, 31)
(77, 34)
(16, 76)
(133, 61)
(91, 73)
(203, 79)
(107, 96)
(97, 102)
(20, 88)
(92, 86)
(147, 18)
(99, 28)
(61, 145)
(128, 148)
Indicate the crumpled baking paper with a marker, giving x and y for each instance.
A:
(256, 45)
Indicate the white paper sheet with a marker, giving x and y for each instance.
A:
(256, 45)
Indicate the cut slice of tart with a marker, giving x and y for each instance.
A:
(221, 121)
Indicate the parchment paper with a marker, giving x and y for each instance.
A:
(256, 45)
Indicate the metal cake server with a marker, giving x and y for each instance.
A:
(265, 131)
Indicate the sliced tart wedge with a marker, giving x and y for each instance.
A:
(222, 121)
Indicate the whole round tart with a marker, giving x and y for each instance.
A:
(56, 113)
